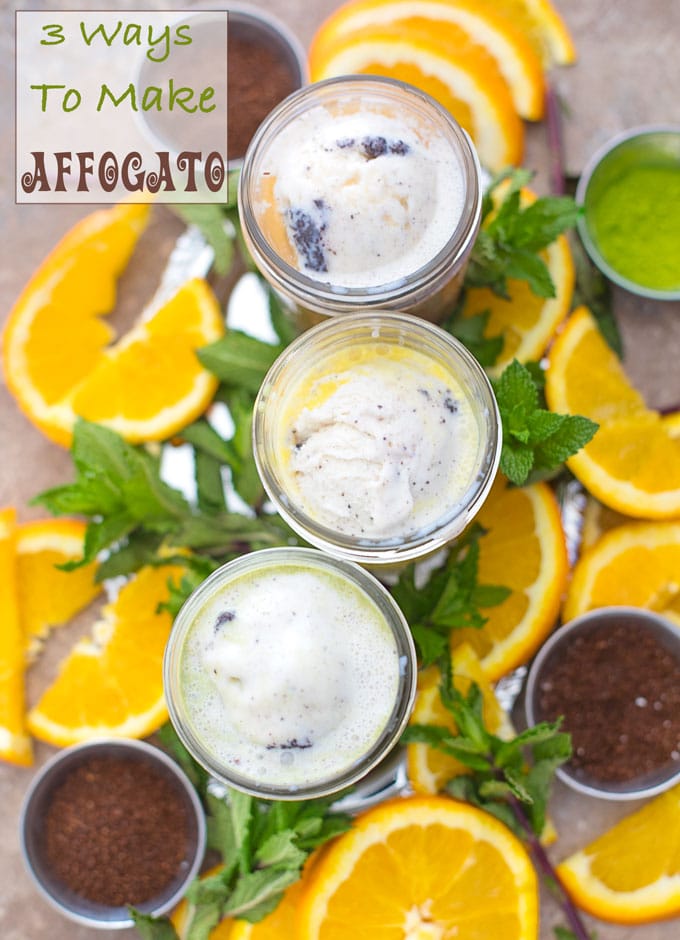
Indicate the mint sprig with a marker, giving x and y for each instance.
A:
(263, 844)
(512, 236)
(510, 779)
(535, 440)
(137, 518)
(450, 599)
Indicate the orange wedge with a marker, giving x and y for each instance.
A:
(15, 743)
(49, 597)
(523, 549)
(632, 464)
(542, 25)
(631, 874)
(111, 684)
(422, 867)
(429, 770)
(462, 78)
(151, 384)
(146, 386)
(526, 322)
(636, 564)
(55, 335)
(511, 52)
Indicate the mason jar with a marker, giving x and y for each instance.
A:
(290, 674)
(363, 193)
(377, 437)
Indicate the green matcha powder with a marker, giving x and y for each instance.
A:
(635, 223)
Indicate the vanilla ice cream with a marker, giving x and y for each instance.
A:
(362, 198)
(378, 444)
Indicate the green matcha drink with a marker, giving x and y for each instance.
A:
(289, 673)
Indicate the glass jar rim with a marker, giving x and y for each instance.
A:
(388, 609)
(308, 290)
(394, 550)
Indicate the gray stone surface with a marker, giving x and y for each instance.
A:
(628, 73)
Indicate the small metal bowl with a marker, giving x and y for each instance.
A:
(640, 146)
(668, 635)
(34, 809)
(245, 22)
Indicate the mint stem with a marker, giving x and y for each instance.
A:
(555, 143)
(547, 868)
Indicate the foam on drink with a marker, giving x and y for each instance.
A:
(288, 675)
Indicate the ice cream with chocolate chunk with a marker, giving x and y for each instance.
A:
(360, 198)
(378, 443)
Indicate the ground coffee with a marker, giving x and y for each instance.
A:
(116, 831)
(258, 79)
(618, 689)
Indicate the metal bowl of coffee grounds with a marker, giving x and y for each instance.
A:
(32, 831)
(543, 674)
(265, 62)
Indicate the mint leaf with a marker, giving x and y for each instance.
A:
(256, 893)
(204, 438)
(281, 321)
(533, 437)
(516, 462)
(542, 221)
(593, 290)
(139, 549)
(153, 928)
(516, 390)
(239, 360)
(209, 485)
(196, 774)
(281, 851)
(573, 434)
(470, 331)
(450, 599)
(512, 236)
(522, 265)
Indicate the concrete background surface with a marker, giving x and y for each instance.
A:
(628, 73)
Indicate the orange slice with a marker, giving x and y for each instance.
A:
(111, 684)
(60, 309)
(151, 384)
(636, 564)
(632, 464)
(512, 54)
(526, 322)
(464, 80)
(49, 597)
(15, 744)
(542, 25)
(631, 874)
(429, 769)
(148, 385)
(422, 867)
(524, 549)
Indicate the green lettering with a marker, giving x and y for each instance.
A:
(106, 92)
